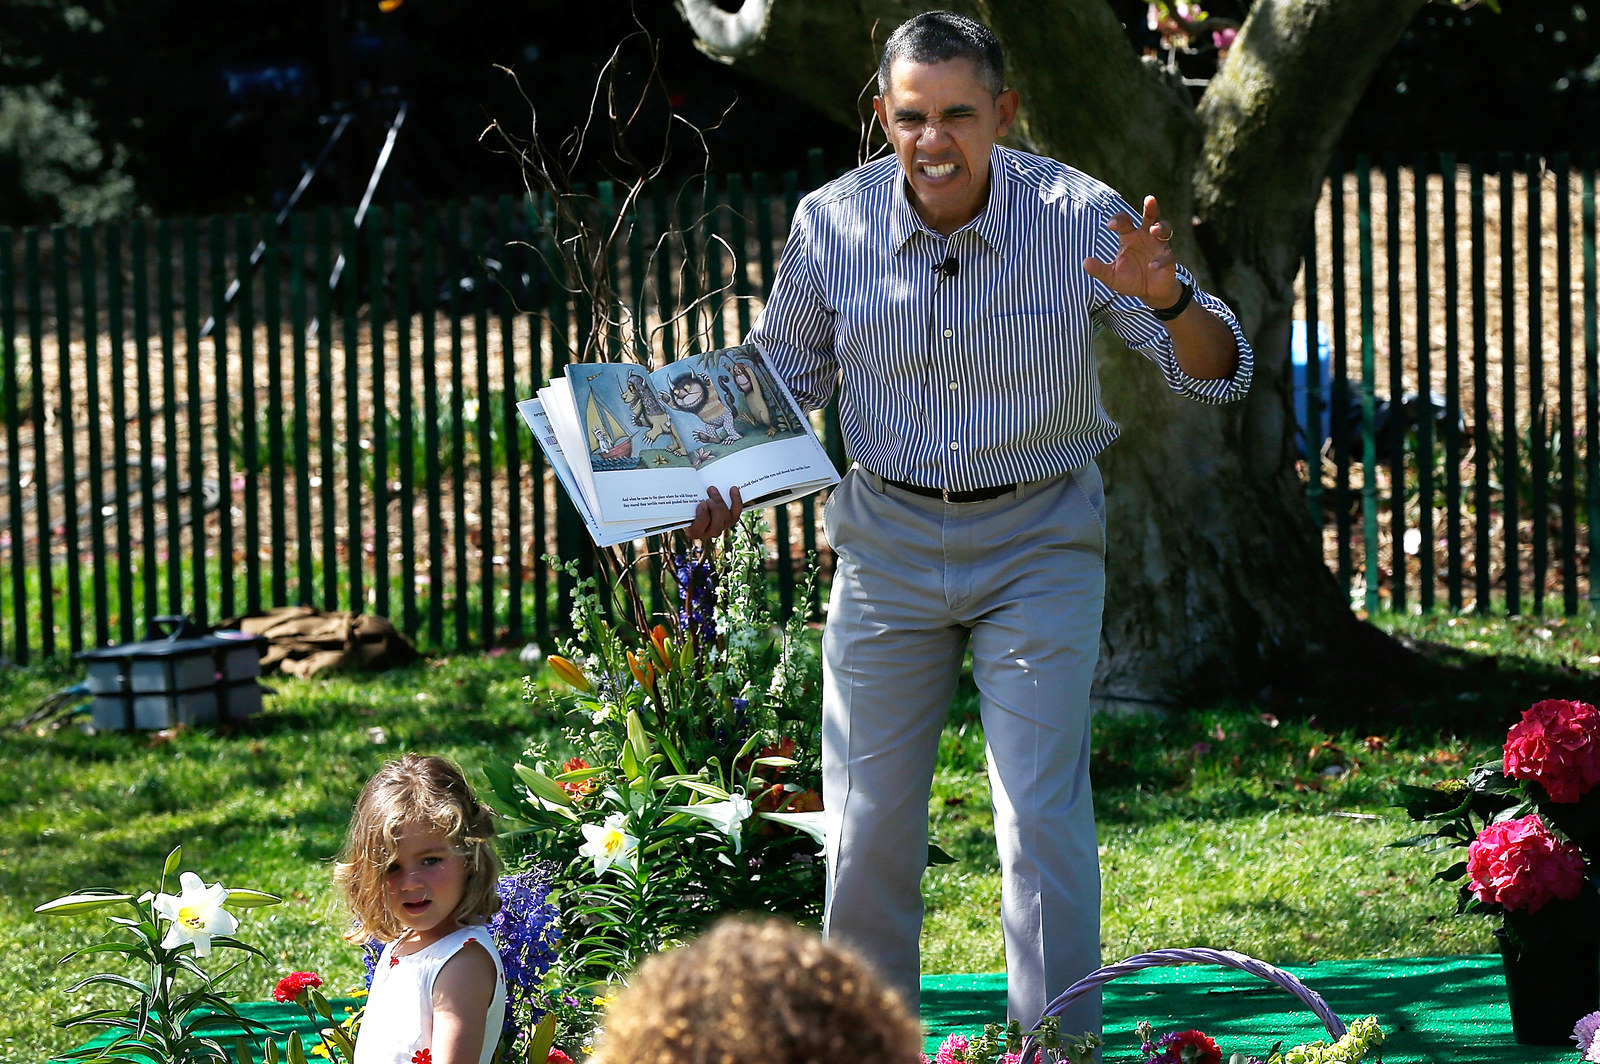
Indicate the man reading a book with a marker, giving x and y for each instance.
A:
(951, 293)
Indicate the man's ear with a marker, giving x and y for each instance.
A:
(881, 109)
(1007, 103)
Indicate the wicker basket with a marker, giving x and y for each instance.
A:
(1161, 957)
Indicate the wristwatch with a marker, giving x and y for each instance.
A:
(1177, 308)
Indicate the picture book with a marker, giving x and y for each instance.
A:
(636, 450)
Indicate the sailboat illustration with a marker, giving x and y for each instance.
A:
(611, 441)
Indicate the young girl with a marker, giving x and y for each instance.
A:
(419, 871)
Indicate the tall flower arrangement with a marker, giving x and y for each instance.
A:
(687, 781)
(1529, 824)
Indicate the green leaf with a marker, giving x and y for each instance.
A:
(579, 775)
(542, 786)
(269, 1049)
(252, 899)
(137, 987)
(320, 1003)
(297, 1053)
(777, 762)
(672, 754)
(1453, 873)
(171, 866)
(128, 949)
(630, 762)
(76, 904)
(241, 1051)
(337, 1036)
(938, 856)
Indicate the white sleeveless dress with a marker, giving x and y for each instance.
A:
(397, 1027)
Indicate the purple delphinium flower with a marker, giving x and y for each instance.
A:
(697, 596)
(525, 929)
(369, 958)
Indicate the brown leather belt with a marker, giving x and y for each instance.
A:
(975, 495)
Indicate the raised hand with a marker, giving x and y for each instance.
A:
(1145, 267)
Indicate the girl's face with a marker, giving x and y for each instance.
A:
(424, 882)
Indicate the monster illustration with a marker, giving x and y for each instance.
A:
(693, 393)
(649, 414)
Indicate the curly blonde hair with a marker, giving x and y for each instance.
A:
(763, 992)
(407, 790)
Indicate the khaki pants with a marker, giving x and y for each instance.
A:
(1023, 578)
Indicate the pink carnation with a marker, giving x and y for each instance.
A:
(949, 1048)
(1520, 865)
(1557, 744)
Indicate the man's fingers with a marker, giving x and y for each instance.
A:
(1152, 212)
(1120, 223)
(736, 505)
(1100, 271)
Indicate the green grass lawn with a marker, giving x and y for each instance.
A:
(1258, 826)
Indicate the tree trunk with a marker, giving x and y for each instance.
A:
(1215, 578)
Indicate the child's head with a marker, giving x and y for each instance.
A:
(411, 798)
(758, 993)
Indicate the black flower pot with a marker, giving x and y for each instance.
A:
(1552, 983)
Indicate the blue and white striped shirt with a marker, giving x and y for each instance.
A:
(984, 378)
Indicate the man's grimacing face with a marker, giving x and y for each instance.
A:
(943, 124)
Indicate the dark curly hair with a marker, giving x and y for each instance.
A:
(764, 992)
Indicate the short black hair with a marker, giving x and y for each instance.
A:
(937, 36)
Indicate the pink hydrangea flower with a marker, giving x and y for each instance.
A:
(1587, 1034)
(1557, 744)
(948, 1049)
(1519, 864)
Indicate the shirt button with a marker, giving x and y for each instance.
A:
(954, 446)
(948, 333)
(954, 386)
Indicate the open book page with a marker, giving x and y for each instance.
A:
(638, 466)
(643, 447)
(534, 413)
(741, 425)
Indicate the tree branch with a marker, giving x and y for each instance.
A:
(1271, 118)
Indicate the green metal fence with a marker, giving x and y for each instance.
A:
(1462, 292)
(197, 421)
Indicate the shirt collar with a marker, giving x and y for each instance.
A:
(990, 224)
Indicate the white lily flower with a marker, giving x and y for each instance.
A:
(809, 822)
(196, 914)
(609, 845)
(726, 816)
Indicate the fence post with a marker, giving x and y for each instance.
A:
(95, 464)
(1397, 434)
(1508, 389)
(119, 433)
(68, 433)
(221, 395)
(1452, 383)
(1480, 397)
(13, 407)
(1426, 576)
(376, 275)
(249, 416)
(41, 464)
(138, 250)
(1539, 508)
(1369, 440)
(1568, 474)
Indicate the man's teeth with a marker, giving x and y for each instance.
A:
(940, 170)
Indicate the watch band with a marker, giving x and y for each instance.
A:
(1177, 308)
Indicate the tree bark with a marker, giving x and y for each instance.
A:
(1216, 582)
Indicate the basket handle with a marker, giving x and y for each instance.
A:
(1163, 957)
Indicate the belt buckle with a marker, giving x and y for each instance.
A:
(944, 493)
